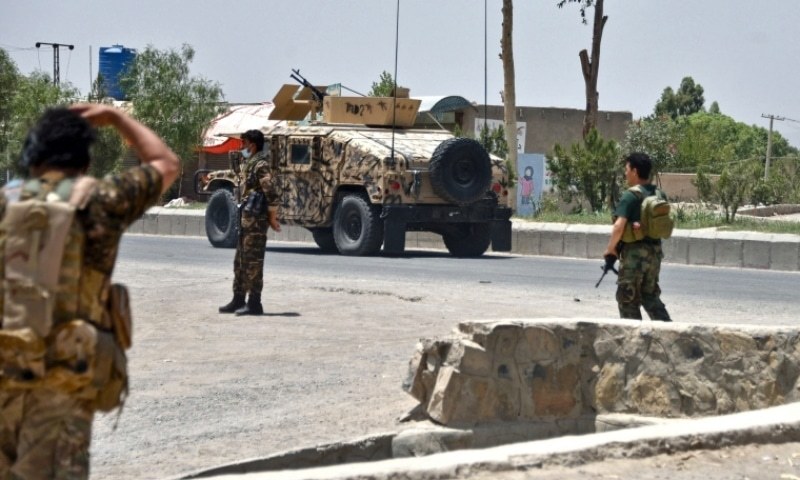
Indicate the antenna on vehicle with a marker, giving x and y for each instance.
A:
(394, 93)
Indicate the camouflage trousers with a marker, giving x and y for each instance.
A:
(44, 435)
(248, 264)
(637, 284)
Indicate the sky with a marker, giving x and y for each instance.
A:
(744, 53)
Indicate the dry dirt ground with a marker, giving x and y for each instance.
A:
(324, 364)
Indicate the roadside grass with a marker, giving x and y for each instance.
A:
(684, 218)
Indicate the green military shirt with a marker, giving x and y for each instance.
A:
(630, 206)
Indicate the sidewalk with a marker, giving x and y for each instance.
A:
(692, 247)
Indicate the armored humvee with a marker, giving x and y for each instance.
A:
(358, 176)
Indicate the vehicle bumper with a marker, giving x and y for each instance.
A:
(398, 219)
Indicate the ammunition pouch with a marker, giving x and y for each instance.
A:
(631, 235)
(111, 374)
(119, 309)
(256, 203)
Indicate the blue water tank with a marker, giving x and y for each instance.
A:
(113, 61)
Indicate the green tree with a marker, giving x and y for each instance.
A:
(686, 101)
(714, 108)
(494, 140)
(783, 184)
(384, 87)
(108, 149)
(714, 140)
(734, 185)
(656, 136)
(9, 80)
(589, 170)
(168, 99)
(590, 66)
(34, 94)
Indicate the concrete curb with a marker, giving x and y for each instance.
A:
(691, 247)
(773, 425)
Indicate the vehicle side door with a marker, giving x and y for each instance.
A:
(303, 199)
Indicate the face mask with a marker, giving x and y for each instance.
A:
(246, 153)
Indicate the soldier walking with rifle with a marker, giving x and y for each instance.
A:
(640, 255)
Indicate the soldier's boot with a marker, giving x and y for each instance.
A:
(253, 306)
(235, 304)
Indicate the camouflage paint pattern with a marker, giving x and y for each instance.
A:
(353, 157)
(49, 441)
(44, 432)
(248, 262)
(637, 284)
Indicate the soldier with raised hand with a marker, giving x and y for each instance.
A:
(65, 327)
(639, 256)
(258, 212)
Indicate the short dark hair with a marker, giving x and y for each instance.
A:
(640, 162)
(61, 139)
(255, 137)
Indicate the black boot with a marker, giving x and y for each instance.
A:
(253, 306)
(235, 304)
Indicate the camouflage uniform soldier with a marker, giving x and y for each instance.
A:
(258, 212)
(46, 415)
(640, 260)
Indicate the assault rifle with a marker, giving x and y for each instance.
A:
(315, 92)
(608, 266)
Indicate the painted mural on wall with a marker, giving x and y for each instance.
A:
(530, 183)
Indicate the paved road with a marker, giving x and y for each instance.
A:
(727, 294)
(327, 360)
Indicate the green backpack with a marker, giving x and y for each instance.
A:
(655, 218)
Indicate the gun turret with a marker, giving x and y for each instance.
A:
(315, 92)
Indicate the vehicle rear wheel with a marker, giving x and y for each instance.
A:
(468, 239)
(323, 237)
(222, 220)
(460, 170)
(357, 226)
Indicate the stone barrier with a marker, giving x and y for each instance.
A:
(551, 370)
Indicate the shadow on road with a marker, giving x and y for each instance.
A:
(310, 250)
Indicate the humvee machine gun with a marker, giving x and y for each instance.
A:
(358, 184)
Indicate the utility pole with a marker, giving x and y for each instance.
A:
(56, 61)
(769, 141)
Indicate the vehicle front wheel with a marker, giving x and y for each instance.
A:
(468, 239)
(357, 226)
(222, 220)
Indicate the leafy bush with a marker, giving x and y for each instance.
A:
(589, 170)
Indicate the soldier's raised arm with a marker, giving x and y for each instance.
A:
(148, 146)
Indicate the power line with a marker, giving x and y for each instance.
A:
(56, 61)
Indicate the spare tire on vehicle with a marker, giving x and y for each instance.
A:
(222, 220)
(460, 170)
